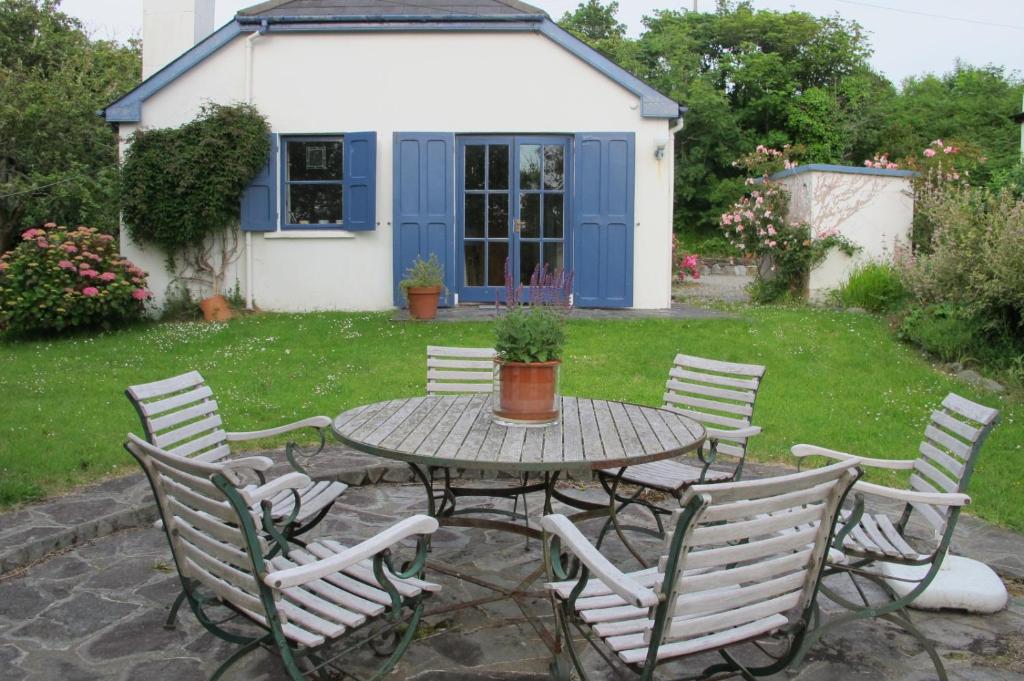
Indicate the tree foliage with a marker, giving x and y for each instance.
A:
(753, 77)
(58, 159)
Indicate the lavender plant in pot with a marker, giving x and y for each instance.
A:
(530, 340)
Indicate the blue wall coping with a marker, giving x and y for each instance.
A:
(849, 170)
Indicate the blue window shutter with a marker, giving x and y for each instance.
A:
(603, 219)
(360, 200)
(259, 200)
(424, 213)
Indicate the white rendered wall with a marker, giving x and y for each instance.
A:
(170, 27)
(414, 82)
(873, 211)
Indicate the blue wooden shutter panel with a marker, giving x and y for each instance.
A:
(259, 200)
(360, 199)
(603, 219)
(424, 215)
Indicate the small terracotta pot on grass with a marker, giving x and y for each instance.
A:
(215, 309)
(423, 301)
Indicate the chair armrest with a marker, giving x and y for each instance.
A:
(249, 463)
(910, 496)
(302, 574)
(624, 586)
(319, 422)
(738, 434)
(276, 486)
(801, 451)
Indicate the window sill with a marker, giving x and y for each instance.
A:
(309, 234)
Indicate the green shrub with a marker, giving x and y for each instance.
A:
(58, 279)
(529, 334)
(179, 305)
(874, 286)
(946, 331)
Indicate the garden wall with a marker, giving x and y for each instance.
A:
(872, 207)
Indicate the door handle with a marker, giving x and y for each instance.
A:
(518, 225)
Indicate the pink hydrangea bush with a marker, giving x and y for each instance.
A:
(59, 278)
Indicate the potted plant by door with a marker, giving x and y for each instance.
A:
(422, 286)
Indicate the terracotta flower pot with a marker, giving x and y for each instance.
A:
(528, 391)
(423, 301)
(215, 309)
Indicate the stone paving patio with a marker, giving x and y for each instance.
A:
(95, 611)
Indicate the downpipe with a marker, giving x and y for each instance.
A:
(250, 277)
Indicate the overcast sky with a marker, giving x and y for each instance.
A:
(909, 37)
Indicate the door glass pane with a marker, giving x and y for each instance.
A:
(497, 216)
(314, 160)
(474, 263)
(554, 166)
(311, 204)
(529, 166)
(553, 216)
(529, 258)
(529, 213)
(497, 254)
(474, 217)
(553, 256)
(498, 166)
(475, 159)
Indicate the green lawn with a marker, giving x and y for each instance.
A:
(835, 379)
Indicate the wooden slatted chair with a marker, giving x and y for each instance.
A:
(720, 396)
(461, 371)
(180, 415)
(939, 477)
(301, 599)
(734, 571)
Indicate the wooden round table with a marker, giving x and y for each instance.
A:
(458, 432)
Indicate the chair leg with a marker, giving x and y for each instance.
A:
(172, 617)
(403, 644)
(242, 652)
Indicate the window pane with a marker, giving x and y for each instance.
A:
(475, 155)
(497, 254)
(474, 263)
(314, 204)
(529, 166)
(553, 256)
(554, 166)
(310, 160)
(529, 258)
(529, 213)
(498, 166)
(554, 218)
(497, 216)
(474, 215)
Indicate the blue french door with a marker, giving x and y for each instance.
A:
(513, 203)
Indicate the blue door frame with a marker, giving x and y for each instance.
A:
(513, 214)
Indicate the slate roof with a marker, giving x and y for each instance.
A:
(383, 9)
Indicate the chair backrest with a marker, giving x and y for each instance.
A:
(717, 394)
(743, 554)
(949, 452)
(459, 370)
(180, 416)
(213, 538)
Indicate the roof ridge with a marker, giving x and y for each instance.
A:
(521, 6)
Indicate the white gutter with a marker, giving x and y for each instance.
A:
(250, 278)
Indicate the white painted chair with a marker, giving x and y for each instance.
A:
(733, 570)
(720, 396)
(180, 415)
(303, 598)
(873, 545)
(459, 371)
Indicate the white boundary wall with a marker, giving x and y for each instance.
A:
(873, 209)
(416, 82)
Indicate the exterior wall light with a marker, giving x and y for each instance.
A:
(660, 144)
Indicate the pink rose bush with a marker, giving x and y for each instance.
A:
(683, 265)
(60, 278)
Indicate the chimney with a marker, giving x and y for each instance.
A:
(170, 27)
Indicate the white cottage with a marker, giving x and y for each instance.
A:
(474, 129)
